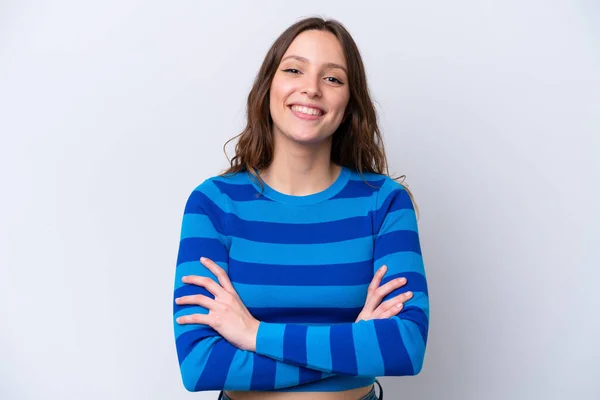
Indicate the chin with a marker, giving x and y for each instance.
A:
(308, 138)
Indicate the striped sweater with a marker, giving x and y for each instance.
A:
(302, 265)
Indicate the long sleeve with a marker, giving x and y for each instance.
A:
(381, 347)
(208, 361)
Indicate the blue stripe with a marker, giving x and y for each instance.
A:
(185, 342)
(343, 354)
(198, 225)
(405, 261)
(345, 274)
(420, 301)
(192, 249)
(368, 353)
(200, 203)
(309, 375)
(336, 383)
(305, 315)
(263, 374)
(286, 375)
(195, 363)
(247, 192)
(240, 192)
(355, 189)
(294, 343)
(317, 232)
(417, 316)
(303, 296)
(239, 376)
(317, 345)
(400, 220)
(415, 282)
(291, 233)
(269, 339)
(415, 345)
(218, 364)
(188, 310)
(300, 233)
(189, 290)
(290, 254)
(332, 210)
(395, 242)
(183, 329)
(395, 357)
(195, 268)
(397, 199)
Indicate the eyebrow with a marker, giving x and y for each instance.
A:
(328, 65)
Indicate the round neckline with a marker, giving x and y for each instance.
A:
(333, 189)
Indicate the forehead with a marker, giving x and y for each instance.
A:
(318, 47)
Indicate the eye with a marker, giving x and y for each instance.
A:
(291, 71)
(333, 79)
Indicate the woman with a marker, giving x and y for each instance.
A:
(310, 281)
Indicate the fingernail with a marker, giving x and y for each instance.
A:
(383, 269)
(202, 259)
(399, 305)
(409, 293)
(401, 280)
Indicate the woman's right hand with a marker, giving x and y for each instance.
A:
(374, 308)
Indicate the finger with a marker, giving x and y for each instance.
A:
(203, 319)
(384, 290)
(198, 300)
(393, 306)
(205, 282)
(390, 286)
(370, 303)
(219, 273)
(376, 281)
(393, 310)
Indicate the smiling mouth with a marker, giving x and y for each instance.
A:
(307, 111)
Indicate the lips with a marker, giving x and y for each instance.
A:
(305, 113)
(309, 106)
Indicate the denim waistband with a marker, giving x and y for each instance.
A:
(372, 395)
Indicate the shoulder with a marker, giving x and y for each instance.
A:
(219, 189)
(219, 185)
(390, 193)
(380, 184)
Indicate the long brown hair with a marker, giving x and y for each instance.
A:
(356, 144)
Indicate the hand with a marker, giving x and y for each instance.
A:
(227, 314)
(374, 308)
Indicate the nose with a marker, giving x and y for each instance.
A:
(311, 86)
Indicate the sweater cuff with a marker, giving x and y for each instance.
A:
(269, 340)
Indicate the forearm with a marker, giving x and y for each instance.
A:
(382, 347)
(209, 362)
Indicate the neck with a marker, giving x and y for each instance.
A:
(301, 170)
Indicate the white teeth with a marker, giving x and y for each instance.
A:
(307, 110)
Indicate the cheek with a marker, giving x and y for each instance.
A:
(280, 89)
(274, 101)
(340, 106)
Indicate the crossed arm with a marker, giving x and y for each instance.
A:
(214, 328)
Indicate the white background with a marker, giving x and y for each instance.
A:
(112, 112)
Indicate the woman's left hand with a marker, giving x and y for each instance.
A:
(227, 314)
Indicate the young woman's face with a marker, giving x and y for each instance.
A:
(309, 92)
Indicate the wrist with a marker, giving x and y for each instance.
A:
(252, 335)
